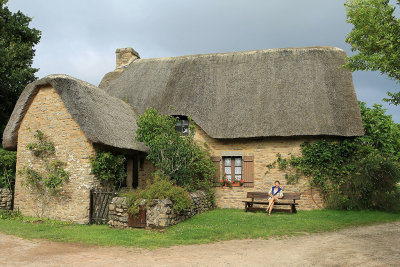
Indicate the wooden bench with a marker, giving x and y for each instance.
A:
(261, 198)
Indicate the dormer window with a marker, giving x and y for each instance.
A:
(182, 125)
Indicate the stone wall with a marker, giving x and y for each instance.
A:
(5, 199)
(264, 151)
(48, 113)
(160, 213)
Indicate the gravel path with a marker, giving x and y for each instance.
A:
(377, 245)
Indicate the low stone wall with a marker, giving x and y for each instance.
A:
(5, 199)
(160, 213)
(118, 213)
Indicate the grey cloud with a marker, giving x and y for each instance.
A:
(80, 37)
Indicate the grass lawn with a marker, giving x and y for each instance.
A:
(216, 225)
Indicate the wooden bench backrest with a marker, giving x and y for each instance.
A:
(295, 196)
(264, 195)
(257, 195)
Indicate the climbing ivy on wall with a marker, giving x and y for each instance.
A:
(353, 173)
(49, 181)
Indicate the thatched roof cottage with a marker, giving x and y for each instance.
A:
(247, 106)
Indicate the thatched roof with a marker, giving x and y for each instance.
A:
(104, 119)
(275, 92)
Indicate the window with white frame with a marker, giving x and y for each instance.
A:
(233, 168)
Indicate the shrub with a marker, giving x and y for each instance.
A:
(178, 157)
(161, 188)
(353, 173)
(109, 168)
(8, 161)
(373, 185)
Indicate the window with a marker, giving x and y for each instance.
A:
(182, 125)
(233, 168)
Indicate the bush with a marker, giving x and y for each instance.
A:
(178, 157)
(353, 173)
(373, 185)
(8, 161)
(109, 168)
(161, 188)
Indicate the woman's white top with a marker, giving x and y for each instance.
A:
(280, 194)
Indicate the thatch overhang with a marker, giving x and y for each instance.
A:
(106, 121)
(263, 93)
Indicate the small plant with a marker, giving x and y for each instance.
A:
(10, 214)
(42, 148)
(225, 181)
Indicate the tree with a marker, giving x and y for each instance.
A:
(177, 157)
(376, 37)
(16, 56)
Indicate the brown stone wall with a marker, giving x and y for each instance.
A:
(5, 199)
(48, 113)
(264, 151)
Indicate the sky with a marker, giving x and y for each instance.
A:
(79, 37)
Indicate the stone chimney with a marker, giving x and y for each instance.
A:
(125, 56)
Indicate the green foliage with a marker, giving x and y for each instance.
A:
(160, 188)
(357, 173)
(43, 148)
(380, 131)
(10, 214)
(49, 181)
(176, 156)
(376, 37)
(8, 161)
(109, 168)
(374, 186)
(17, 40)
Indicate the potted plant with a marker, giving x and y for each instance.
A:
(225, 182)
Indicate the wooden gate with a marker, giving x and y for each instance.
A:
(99, 201)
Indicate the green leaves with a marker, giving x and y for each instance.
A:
(51, 179)
(16, 56)
(160, 188)
(109, 168)
(358, 173)
(376, 37)
(43, 148)
(8, 161)
(176, 156)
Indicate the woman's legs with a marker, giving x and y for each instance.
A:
(271, 205)
(270, 202)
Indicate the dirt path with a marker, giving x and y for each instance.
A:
(377, 245)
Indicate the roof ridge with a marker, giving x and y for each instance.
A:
(269, 50)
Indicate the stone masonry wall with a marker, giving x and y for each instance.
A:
(48, 113)
(5, 199)
(160, 214)
(264, 151)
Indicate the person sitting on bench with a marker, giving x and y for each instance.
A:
(275, 193)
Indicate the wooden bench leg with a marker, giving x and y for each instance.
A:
(245, 207)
